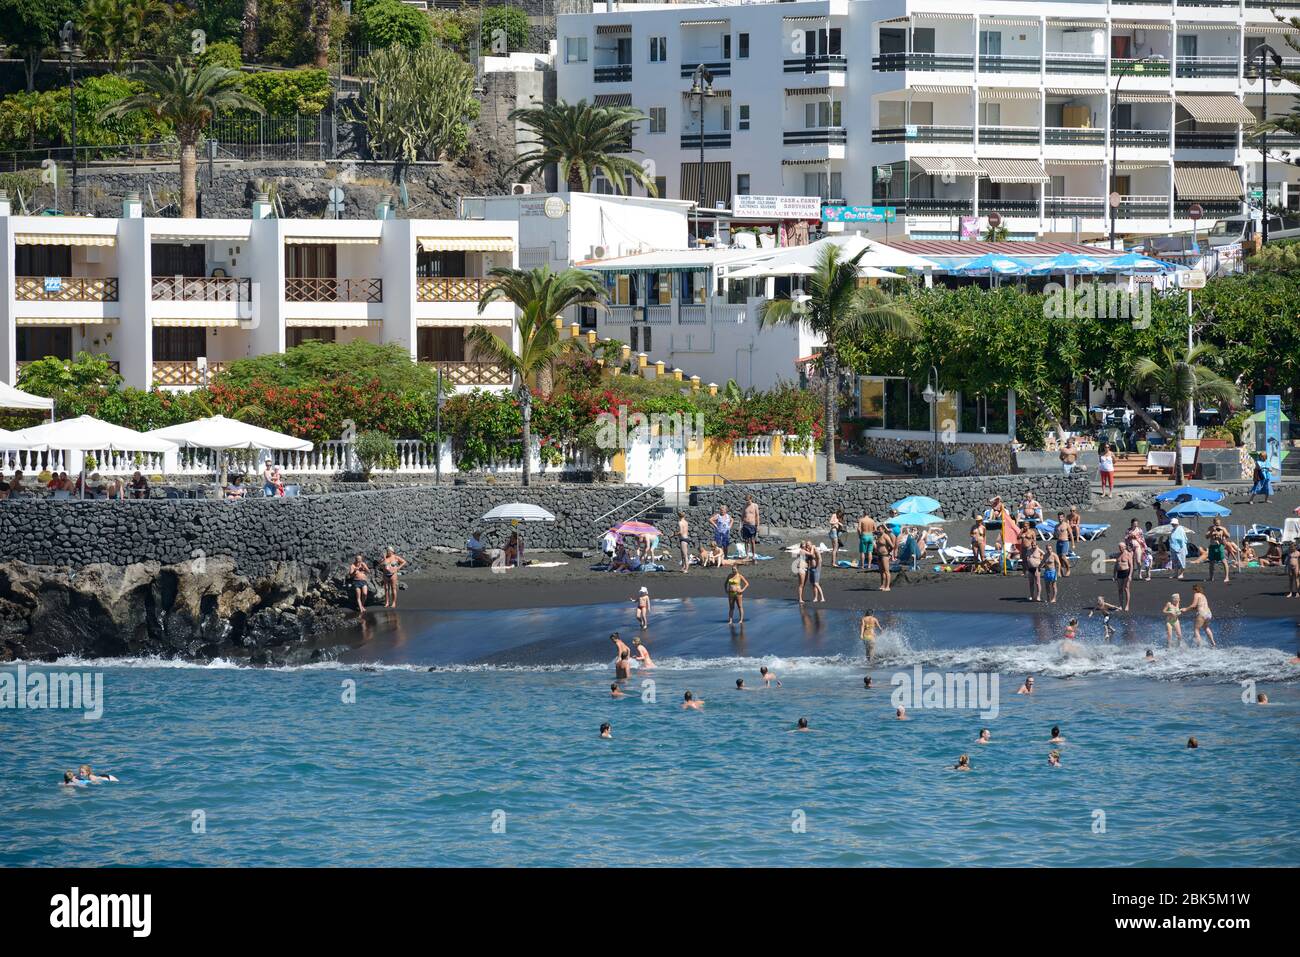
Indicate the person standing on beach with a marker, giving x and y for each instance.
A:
(1200, 608)
(1217, 548)
(1106, 471)
(392, 564)
(885, 544)
(835, 533)
(642, 599)
(749, 520)
(801, 569)
(1062, 537)
(866, 540)
(1293, 571)
(1178, 548)
(359, 572)
(867, 632)
(721, 522)
(684, 540)
(1124, 574)
(735, 586)
(1262, 478)
(1051, 566)
(978, 544)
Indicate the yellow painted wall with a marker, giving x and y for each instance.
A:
(718, 458)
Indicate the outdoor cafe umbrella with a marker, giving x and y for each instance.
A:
(1199, 508)
(220, 433)
(87, 432)
(1069, 263)
(1136, 262)
(915, 503)
(914, 518)
(515, 513)
(12, 441)
(1189, 493)
(11, 398)
(991, 264)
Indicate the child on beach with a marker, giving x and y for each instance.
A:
(1104, 608)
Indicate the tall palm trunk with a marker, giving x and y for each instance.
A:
(189, 165)
(321, 10)
(526, 406)
(248, 24)
(831, 397)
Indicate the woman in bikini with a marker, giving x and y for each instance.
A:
(884, 555)
(392, 564)
(978, 543)
(735, 587)
(1293, 571)
(1201, 610)
(359, 572)
(1173, 627)
(836, 534)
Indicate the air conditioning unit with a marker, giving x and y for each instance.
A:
(520, 189)
(599, 252)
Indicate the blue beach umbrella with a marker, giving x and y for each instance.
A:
(991, 264)
(916, 503)
(914, 518)
(1136, 262)
(1189, 493)
(1199, 508)
(1069, 263)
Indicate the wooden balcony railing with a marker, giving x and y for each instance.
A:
(202, 289)
(302, 289)
(65, 289)
(178, 372)
(452, 288)
(466, 372)
(113, 364)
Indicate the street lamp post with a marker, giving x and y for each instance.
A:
(1135, 66)
(71, 49)
(931, 396)
(701, 86)
(1265, 53)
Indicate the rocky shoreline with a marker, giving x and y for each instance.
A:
(194, 611)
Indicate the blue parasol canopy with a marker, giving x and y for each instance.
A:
(1070, 263)
(1200, 508)
(1188, 493)
(915, 503)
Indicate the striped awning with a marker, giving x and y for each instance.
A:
(1198, 27)
(805, 16)
(1142, 164)
(335, 323)
(714, 92)
(65, 321)
(1139, 96)
(178, 322)
(1071, 161)
(1207, 182)
(469, 244)
(201, 238)
(987, 94)
(807, 90)
(1073, 91)
(803, 162)
(717, 183)
(612, 99)
(939, 165)
(63, 239)
(1254, 28)
(462, 323)
(331, 240)
(1153, 24)
(614, 28)
(932, 88)
(997, 20)
(714, 22)
(1070, 23)
(1216, 109)
(1014, 171)
(943, 16)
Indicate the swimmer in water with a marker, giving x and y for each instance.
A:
(1191, 743)
(619, 646)
(866, 682)
(689, 702)
(1173, 627)
(867, 632)
(1053, 759)
(1150, 656)
(1261, 698)
(642, 656)
(1028, 686)
(1056, 736)
(985, 737)
(70, 780)
(615, 691)
(740, 685)
(642, 599)
(802, 725)
(963, 763)
(1200, 608)
(87, 774)
(605, 730)
(769, 676)
(1104, 608)
(623, 667)
(1068, 645)
(900, 713)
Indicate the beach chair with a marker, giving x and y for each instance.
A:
(1090, 532)
(291, 491)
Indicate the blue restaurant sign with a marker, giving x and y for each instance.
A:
(859, 214)
(1273, 435)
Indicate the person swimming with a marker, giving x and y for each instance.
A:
(802, 725)
(86, 773)
(1028, 686)
(642, 656)
(623, 667)
(963, 763)
(1056, 736)
(1261, 698)
(689, 701)
(71, 780)
(866, 682)
(768, 676)
(867, 632)
(740, 685)
(615, 691)
(1054, 759)
(1150, 656)
(900, 713)
(985, 737)
(1192, 743)
(606, 731)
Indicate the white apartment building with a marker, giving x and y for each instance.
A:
(945, 109)
(170, 301)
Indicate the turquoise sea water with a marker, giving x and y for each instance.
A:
(494, 758)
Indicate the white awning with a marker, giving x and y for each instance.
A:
(939, 165)
(1143, 164)
(476, 244)
(998, 20)
(176, 322)
(462, 323)
(932, 88)
(1207, 182)
(614, 28)
(336, 240)
(1014, 171)
(987, 94)
(716, 21)
(1071, 161)
(226, 237)
(335, 323)
(11, 398)
(64, 239)
(1071, 24)
(1216, 109)
(1137, 96)
(65, 321)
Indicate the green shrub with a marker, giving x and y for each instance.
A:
(286, 92)
(383, 23)
(375, 450)
(504, 30)
(222, 53)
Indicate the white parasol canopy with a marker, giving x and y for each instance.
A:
(11, 441)
(11, 398)
(518, 512)
(87, 432)
(219, 432)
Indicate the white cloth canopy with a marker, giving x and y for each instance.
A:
(878, 256)
(219, 432)
(11, 441)
(11, 398)
(87, 432)
(518, 512)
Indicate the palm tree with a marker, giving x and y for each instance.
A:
(187, 98)
(837, 308)
(541, 297)
(583, 140)
(320, 27)
(248, 25)
(1182, 377)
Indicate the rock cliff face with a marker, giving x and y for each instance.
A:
(192, 610)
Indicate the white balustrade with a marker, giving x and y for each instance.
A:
(755, 445)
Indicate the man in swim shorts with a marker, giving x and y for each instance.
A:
(749, 526)
(866, 540)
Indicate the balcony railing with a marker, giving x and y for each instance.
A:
(815, 137)
(1203, 140)
(996, 63)
(1250, 69)
(1074, 136)
(1208, 66)
(451, 288)
(1211, 208)
(826, 63)
(1085, 207)
(1078, 64)
(1143, 207)
(1138, 66)
(928, 206)
(467, 372)
(1009, 207)
(113, 364)
(924, 62)
(712, 141)
(304, 289)
(202, 289)
(615, 73)
(1009, 135)
(719, 68)
(65, 289)
(1146, 139)
(923, 134)
(187, 372)
(1276, 140)
(690, 314)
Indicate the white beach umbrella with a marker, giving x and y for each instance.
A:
(88, 432)
(518, 512)
(11, 398)
(219, 432)
(11, 441)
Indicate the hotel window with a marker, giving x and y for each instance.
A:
(743, 124)
(179, 345)
(575, 49)
(871, 402)
(822, 42)
(297, 335)
(622, 289)
(990, 43)
(821, 113)
(742, 184)
(658, 119)
(726, 118)
(726, 46)
(742, 46)
(660, 291)
(814, 184)
(658, 49)
(893, 114)
(923, 39)
(36, 343)
(661, 187)
(640, 343)
(441, 345)
(990, 114)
